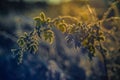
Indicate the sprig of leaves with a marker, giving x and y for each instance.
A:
(82, 34)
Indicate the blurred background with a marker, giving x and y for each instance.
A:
(16, 17)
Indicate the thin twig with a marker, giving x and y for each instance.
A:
(13, 38)
(105, 15)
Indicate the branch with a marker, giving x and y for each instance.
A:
(13, 38)
(105, 15)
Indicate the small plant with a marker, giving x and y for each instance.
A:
(90, 36)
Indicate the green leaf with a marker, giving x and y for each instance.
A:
(48, 36)
(33, 48)
(62, 27)
(38, 21)
(43, 17)
(37, 18)
(21, 42)
(48, 20)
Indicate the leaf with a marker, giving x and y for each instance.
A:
(85, 42)
(33, 48)
(42, 16)
(48, 20)
(38, 21)
(25, 34)
(48, 36)
(21, 42)
(62, 27)
(37, 18)
(20, 57)
(100, 38)
(92, 49)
